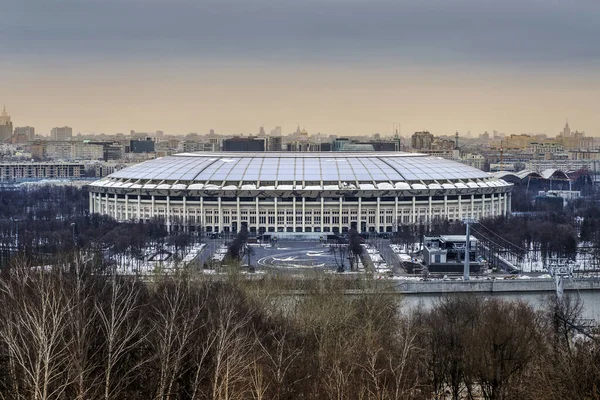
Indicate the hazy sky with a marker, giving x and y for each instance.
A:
(332, 66)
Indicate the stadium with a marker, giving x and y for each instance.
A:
(298, 192)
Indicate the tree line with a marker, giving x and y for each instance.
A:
(66, 333)
(43, 222)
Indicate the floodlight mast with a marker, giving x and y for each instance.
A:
(467, 248)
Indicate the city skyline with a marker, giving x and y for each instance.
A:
(344, 68)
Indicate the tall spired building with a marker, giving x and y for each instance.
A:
(566, 130)
(6, 126)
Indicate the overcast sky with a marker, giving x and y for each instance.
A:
(333, 66)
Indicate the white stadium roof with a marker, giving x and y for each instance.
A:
(339, 168)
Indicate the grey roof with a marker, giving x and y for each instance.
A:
(335, 168)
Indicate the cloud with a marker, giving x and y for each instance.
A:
(417, 32)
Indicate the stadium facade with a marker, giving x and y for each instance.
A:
(299, 192)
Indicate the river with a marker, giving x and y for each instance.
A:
(590, 298)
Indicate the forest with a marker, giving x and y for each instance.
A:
(66, 333)
(43, 222)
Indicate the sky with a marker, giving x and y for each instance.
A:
(342, 67)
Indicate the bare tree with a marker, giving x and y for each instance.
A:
(123, 333)
(35, 319)
(340, 254)
(248, 253)
(83, 325)
(231, 351)
(403, 362)
(506, 341)
(355, 248)
(259, 383)
(278, 359)
(174, 321)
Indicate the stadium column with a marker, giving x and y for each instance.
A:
(115, 203)
(185, 217)
(473, 207)
(508, 198)
(152, 208)
(126, 207)
(202, 219)
(359, 219)
(91, 205)
(139, 207)
(446, 205)
(429, 212)
(294, 213)
(460, 214)
(169, 214)
(395, 222)
(257, 215)
(378, 218)
(341, 224)
(322, 209)
(220, 214)
(483, 205)
(492, 210)
(239, 215)
(413, 216)
(276, 216)
(303, 213)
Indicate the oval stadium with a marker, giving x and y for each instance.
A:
(299, 192)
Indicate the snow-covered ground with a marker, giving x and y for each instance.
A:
(157, 262)
(402, 251)
(263, 245)
(407, 249)
(220, 253)
(379, 263)
(533, 261)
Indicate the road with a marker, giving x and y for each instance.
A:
(211, 246)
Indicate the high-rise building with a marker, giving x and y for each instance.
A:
(61, 134)
(6, 126)
(566, 130)
(275, 143)
(27, 131)
(276, 131)
(422, 140)
(244, 144)
(141, 146)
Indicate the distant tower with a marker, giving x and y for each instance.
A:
(276, 131)
(397, 140)
(456, 141)
(6, 126)
(567, 130)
